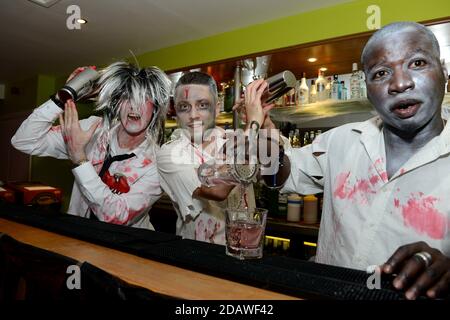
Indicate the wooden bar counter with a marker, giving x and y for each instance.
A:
(159, 277)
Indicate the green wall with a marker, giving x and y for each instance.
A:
(339, 20)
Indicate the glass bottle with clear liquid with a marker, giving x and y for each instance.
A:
(355, 90)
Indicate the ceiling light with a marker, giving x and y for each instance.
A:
(323, 69)
(312, 59)
(82, 21)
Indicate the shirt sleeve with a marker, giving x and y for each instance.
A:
(126, 208)
(178, 176)
(37, 136)
(308, 165)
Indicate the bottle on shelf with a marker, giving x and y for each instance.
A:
(296, 139)
(343, 91)
(328, 87)
(355, 90)
(313, 92)
(335, 88)
(291, 137)
(306, 139)
(282, 205)
(312, 136)
(303, 92)
(362, 85)
(295, 203)
(310, 209)
(321, 84)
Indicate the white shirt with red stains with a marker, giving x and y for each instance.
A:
(365, 216)
(37, 136)
(198, 219)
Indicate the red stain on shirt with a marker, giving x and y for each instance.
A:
(374, 179)
(402, 170)
(397, 203)
(420, 214)
(146, 162)
(384, 176)
(341, 181)
(55, 129)
(361, 186)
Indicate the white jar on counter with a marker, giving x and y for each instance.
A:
(295, 203)
(310, 211)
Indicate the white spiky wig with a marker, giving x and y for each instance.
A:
(120, 82)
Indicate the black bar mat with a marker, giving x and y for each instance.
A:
(281, 274)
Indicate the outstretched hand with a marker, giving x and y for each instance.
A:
(414, 275)
(74, 136)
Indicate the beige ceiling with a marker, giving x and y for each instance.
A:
(36, 40)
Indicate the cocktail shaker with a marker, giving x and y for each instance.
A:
(278, 85)
(78, 87)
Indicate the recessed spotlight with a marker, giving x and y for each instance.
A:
(82, 21)
(323, 69)
(312, 59)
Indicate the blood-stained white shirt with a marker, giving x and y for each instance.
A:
(37, 136)
(198, 219)
(366, 217)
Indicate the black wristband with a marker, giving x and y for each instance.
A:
(58, 102)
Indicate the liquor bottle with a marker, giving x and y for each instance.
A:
(321, 84)
(318, 133)
(355, 91)
(303, 92)
(291, 137)
(343, 91)
(282, 205)
(312, 136)
(362, 85)
(335, 88)
(296, 139)
(306, 139)
(328, 87)
(313, 92)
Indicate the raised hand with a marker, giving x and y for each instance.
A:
(75, 138)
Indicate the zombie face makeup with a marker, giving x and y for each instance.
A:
(135, 119)
(196, 111)
(405, 80)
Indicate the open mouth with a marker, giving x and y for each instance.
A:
(134, 117)
(406, 108)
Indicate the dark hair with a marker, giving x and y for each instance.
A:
(395, 27)
(200, 78)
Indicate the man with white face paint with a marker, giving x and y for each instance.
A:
(386, 181)
(200, 209)
(116, 178)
